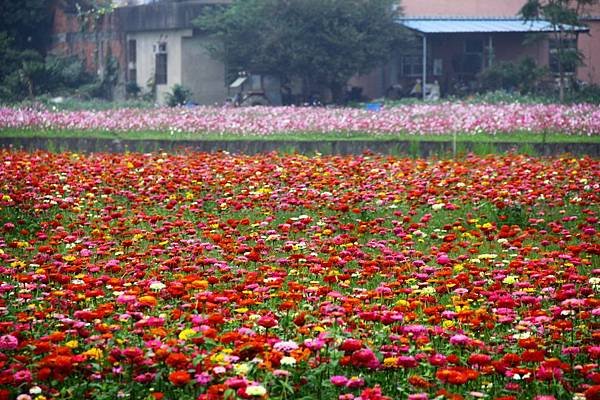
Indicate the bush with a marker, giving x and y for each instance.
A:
(524, 77)
(67, 72)
(505, 97)
(586, 93)
(178, 96)
(33, 75)
(132, 90)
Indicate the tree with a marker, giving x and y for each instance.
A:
(565, 18)
(322, 42)
(27, 22)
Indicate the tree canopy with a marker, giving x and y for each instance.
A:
(323, 42)
(564, 16)
(26, 22)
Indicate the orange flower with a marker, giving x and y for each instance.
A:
(418, 381)
(179, 378)
(148, 301)
(176, 360)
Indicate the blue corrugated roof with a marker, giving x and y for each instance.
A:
(480, 25)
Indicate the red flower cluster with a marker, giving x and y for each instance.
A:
(215, 276)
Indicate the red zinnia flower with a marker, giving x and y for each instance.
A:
(592, 393)
(179, 378)
(267, 321)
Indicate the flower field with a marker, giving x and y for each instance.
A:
(418, 119)
(210, 276)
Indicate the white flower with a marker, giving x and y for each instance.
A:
(35, 390)
(256, 390)
(437, 206)
(157, 285)
(288, 360)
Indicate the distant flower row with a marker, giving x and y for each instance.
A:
(421, 119)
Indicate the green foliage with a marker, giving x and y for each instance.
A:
(109, 78)
(523, 77)
(585, 94)
(564, 16)
(322, 42)
(33, 75)
(67, 71)
(26, 22)
(178, 96)
(132, 90)
(511, 214)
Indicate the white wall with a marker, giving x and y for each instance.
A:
(202, 74)
(146, 47)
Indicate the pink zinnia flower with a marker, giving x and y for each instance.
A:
(338, 380)
(8, 342)
(459, 340)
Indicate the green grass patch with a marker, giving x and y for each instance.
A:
(516, 137)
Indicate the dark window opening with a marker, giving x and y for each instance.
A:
(471, 61)
(412, 65)
(131, 61)
(161, 65)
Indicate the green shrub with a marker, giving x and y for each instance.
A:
(178, 96)
(585, 94)
(524, 77)
(132, 90)
(67, 72)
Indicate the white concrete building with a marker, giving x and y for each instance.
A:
(164, 50)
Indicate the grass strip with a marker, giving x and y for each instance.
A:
(516, 137)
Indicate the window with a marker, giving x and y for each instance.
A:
(161, 65)
(569, 55)
(471, 62)
(412, 65)
(132, 59)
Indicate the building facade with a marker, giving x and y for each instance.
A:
(465, 37)
(157, 47)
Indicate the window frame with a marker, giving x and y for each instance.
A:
(132, 60)
(161, 65)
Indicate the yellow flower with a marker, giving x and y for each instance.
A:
(17, 264)
(458, 268)
(448, 323)
(390, 361)
(241, 369)
(94, 353)
(72, 344)
(187, 334)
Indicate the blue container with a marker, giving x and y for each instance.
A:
(373, 107)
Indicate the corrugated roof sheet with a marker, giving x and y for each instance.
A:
(479, 25)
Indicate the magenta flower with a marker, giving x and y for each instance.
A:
(8, 342)
(338, 380)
